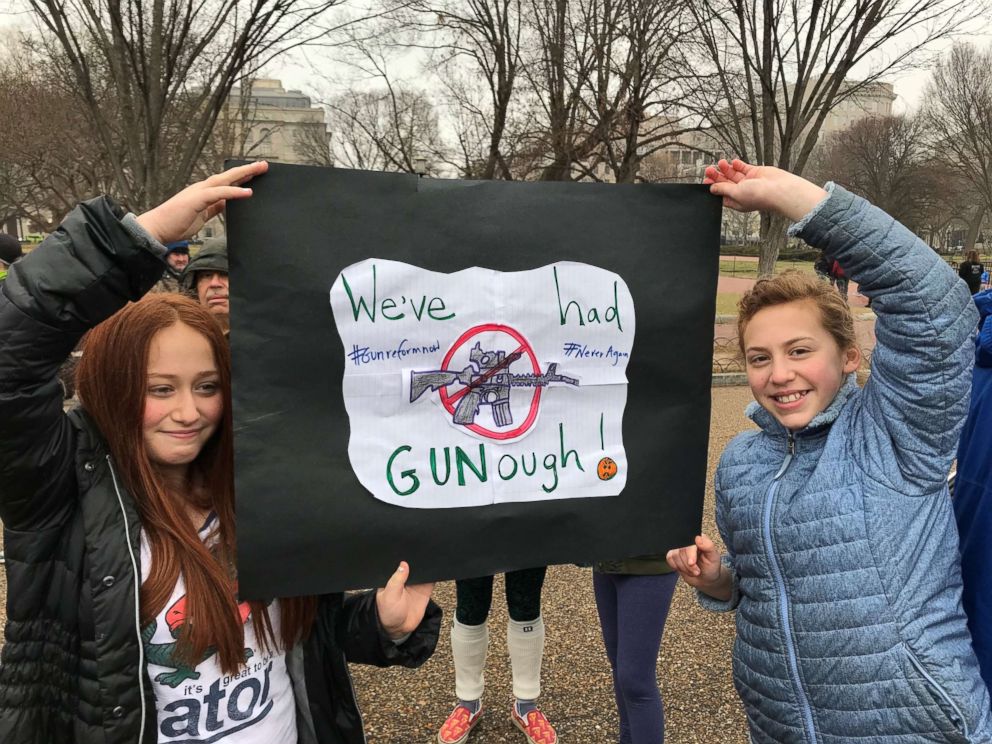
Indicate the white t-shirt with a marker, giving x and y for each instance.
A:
(203, 704)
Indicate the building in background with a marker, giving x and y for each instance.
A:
(873, 100)
(264, 121)
(685, 160)
(279, 125)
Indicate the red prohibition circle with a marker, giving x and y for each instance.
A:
(448, 401)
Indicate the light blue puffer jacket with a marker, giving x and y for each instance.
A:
(842, 538)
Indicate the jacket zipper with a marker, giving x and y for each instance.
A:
(137, 601)
(783, 597)
(961, 723)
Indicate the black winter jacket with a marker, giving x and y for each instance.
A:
(72, 670)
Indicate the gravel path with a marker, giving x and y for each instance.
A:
(403, 706)
(407, 706)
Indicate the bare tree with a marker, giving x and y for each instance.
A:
(778, 67)
(545, 89)
(382, 122)
(473, 152)
(948, 196)
(607, 75)
(483, 38)
(886, 160)
(633, 100)
(739, 227)
(170, 65)
(356, 131)
(470, 117)
(49, 159)
(958, 106)
(312, 144)
(234, 135)
(560, 65)
(386, 129)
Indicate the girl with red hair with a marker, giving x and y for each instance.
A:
(123, 620)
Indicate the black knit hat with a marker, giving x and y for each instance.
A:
(10, 248)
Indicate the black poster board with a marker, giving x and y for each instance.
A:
(305, 522)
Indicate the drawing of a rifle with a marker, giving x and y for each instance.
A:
(487, 381)
(421, 381)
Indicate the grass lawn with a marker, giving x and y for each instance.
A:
(726, 303)
(749, 269)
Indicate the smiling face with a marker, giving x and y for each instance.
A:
(183, 399)
(212, 290)
(794, 365)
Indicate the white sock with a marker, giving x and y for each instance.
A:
(469, 644)
(525, 642)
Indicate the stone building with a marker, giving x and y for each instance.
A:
(264, 121)
(686, 159)
(875, 99)
(278, 125)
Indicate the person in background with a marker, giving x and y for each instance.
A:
(10, 251)
(838, 278)
(176, 259)
(973, 494)
(206, 280)
(525, 642)
(821, 266)
(971, 270)
(632, 598)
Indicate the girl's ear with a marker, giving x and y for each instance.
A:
(852, 359)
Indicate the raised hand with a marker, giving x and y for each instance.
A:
(699, 566)
(184, 214)
(401, 607)
(747, 188)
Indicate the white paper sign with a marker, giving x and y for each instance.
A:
(480, 387)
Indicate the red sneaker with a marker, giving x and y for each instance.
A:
(459, 725)
(535, 727)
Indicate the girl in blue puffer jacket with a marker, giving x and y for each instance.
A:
(842, 553)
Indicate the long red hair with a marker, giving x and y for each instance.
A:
(112, 380)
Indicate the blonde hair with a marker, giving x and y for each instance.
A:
(796, 286)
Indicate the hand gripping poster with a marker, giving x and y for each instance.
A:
(473, 377)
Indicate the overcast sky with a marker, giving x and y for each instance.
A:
(297, 73)
(908, 88)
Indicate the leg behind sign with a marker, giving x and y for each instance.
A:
(469, 645)
(525, 643)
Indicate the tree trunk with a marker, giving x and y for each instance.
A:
(499, 124)
(772, 242)
(629, 167)
(974, 227)
(559, 169)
